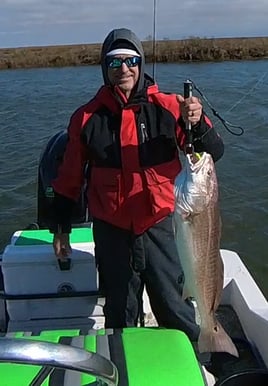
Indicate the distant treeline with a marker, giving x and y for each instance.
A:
(192, 49)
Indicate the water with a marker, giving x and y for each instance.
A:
(37, 103)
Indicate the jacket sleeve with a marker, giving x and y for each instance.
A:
(71, 174)
(205, 138)
(61, 219)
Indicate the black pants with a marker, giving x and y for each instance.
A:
(126, 263)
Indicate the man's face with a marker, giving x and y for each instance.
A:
(123, 74)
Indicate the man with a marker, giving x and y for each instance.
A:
(130, 133)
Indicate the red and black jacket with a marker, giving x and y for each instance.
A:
(132, 148)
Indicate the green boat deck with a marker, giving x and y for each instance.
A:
(143, 356)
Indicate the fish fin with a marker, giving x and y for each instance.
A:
(216, 340)
(186, 216)
(186, 293)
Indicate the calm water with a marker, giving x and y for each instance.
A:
(35, 104)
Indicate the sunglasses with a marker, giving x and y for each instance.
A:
(132, 61)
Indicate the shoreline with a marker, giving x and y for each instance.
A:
(166, 51)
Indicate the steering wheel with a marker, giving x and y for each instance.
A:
(53, 356)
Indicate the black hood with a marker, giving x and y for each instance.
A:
(110, 42)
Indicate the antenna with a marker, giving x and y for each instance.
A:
(154, 37)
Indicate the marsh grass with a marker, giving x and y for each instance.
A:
(192, 49)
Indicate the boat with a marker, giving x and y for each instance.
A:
(52, 321)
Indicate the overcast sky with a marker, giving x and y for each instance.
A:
(51, 22)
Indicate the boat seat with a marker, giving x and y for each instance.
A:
(143, 357)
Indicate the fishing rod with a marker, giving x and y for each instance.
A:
(189, 85)
(154, 38)
(224, 122)
(188, 92)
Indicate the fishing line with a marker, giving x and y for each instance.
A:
(249, 92)
(228, 125)
(224, 122)
(154, 39)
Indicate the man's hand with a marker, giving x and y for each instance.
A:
(190, 108)
(61, 245)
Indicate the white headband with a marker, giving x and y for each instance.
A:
(123, 51)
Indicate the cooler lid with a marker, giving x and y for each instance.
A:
(44, 237)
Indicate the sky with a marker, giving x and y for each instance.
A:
(56, 22)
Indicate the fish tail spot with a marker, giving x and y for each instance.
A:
(216, 340)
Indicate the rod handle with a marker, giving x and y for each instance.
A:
(188, 92)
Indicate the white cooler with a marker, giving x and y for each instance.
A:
(30, 268)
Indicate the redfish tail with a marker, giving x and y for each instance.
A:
(216, 340)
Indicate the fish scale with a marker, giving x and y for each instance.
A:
(197, 227)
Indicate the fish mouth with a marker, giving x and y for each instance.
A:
(194, 158)
(196, 161)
